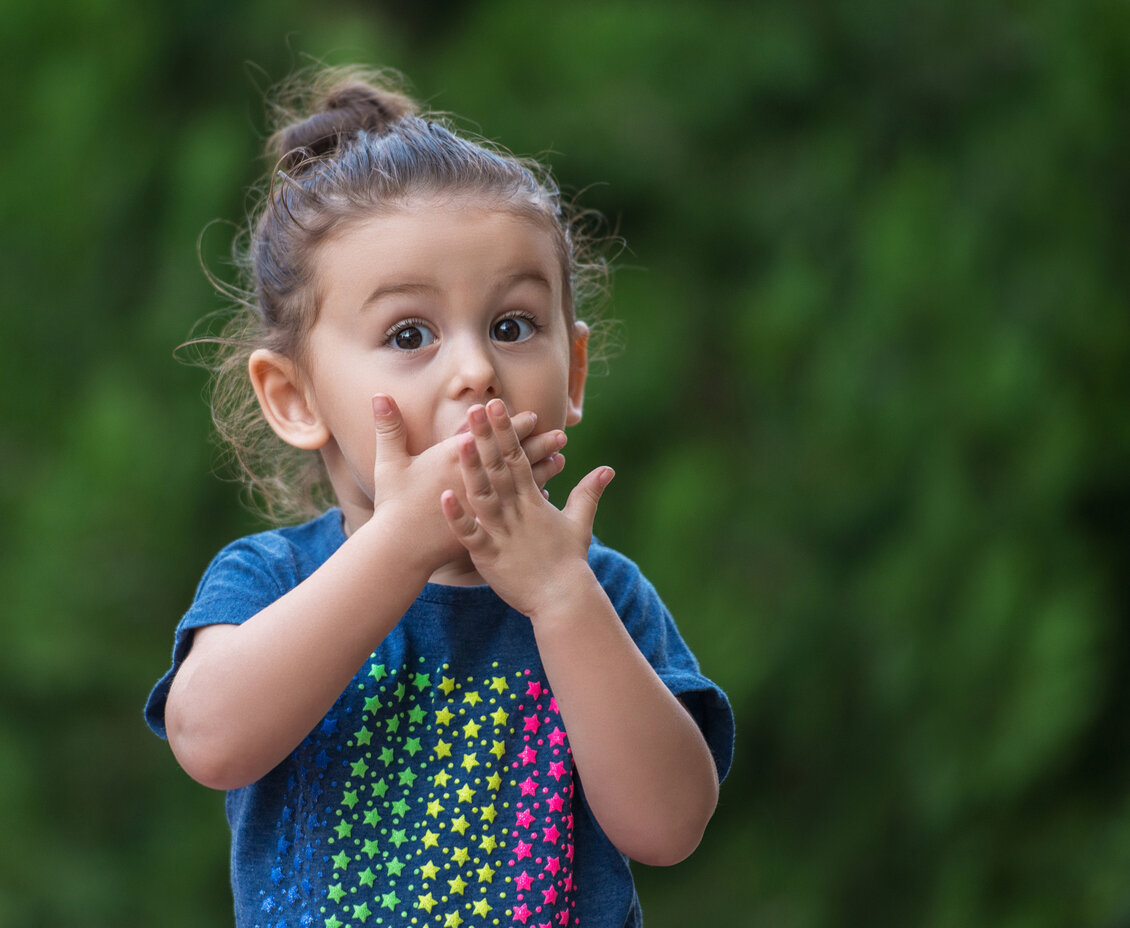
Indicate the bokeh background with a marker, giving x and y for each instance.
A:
(869, 422)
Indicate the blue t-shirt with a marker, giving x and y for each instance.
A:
(440, 788)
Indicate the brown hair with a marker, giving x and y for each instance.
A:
(348, 142)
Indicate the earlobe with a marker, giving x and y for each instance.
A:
(578, 372)
(283, 399)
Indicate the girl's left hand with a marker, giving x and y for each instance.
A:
(528, 550)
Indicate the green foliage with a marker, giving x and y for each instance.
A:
(869, 425)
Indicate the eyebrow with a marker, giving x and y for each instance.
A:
(508, 282)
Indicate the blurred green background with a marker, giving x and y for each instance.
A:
(870, 423)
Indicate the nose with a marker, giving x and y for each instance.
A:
(473, 373)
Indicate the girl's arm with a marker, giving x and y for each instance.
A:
(246, 695)
(648, 774)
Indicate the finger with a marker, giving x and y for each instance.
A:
(481, 496)
(524, 424)
(583, 501)
(543, 445)
(461, 522)
(489, 447)
(392, 439)
(546, 469)
(513, 454)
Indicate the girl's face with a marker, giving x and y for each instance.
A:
(441, 305)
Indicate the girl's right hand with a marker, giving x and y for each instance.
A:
(409, 487)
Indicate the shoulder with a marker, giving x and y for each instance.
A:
(288, 554)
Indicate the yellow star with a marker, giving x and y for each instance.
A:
(498, 683)
(431, 839)
(441, 778)
(453, 920)
(427, 903)
(444, 716)
(471, 730)
(488, 813)
(498, 750)
(447, 686)
(460, 855)
(459, 824)
(494, 782)
(489, 844)
(469, 762)
(472, 698)
(457, 885)
(443, 749)
(501, 717)
(429, 871)
(482, 907)
(434, 808)
(465, 793)
(486, 875)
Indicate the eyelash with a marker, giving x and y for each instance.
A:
(414, 322)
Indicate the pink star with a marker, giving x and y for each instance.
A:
(569, 883)
(522, 913)
(529, 787)
(524, 818)
(532, 722)
(550, 895)
(551, 834)
(557, 736)
(529, 755)
(563, 918)
(533, 689)
(523, 850)
(556, 803)
(569, 852)
(556, 769)
(524, 882)
(553, 705)
(553, 864)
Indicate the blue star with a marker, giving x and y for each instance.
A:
(277, 876)
(329, 725)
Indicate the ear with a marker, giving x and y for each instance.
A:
(578, 372)
(283, 399)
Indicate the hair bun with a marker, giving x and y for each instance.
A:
(339, 108)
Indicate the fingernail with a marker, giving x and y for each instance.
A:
(496, 408)
(381, 405)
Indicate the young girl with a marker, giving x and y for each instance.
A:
(440, 702)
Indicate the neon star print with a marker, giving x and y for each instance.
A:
(435, 800)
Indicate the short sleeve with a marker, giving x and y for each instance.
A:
(655, 633)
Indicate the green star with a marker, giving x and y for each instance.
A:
(416, 714)
(422, 681)
(372, 817)
(360, 767)
(393, 724)
(332, 922)
(336, 893)
(362, 912)
(390, 900)
(341, 861)
(372, 704)
(371, 848)
(350, 798)
(366, 877)
(344, 830)
(378, 672)
(400, 808)
(364, 736)
(412, 746)
(395, 866)
(386, 756)
(380, 787)
(399, 692)
(407, 778)
(398, 837)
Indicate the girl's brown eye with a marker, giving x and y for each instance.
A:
(410, 335)
(513, 329)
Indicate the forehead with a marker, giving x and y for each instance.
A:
(453, 240)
